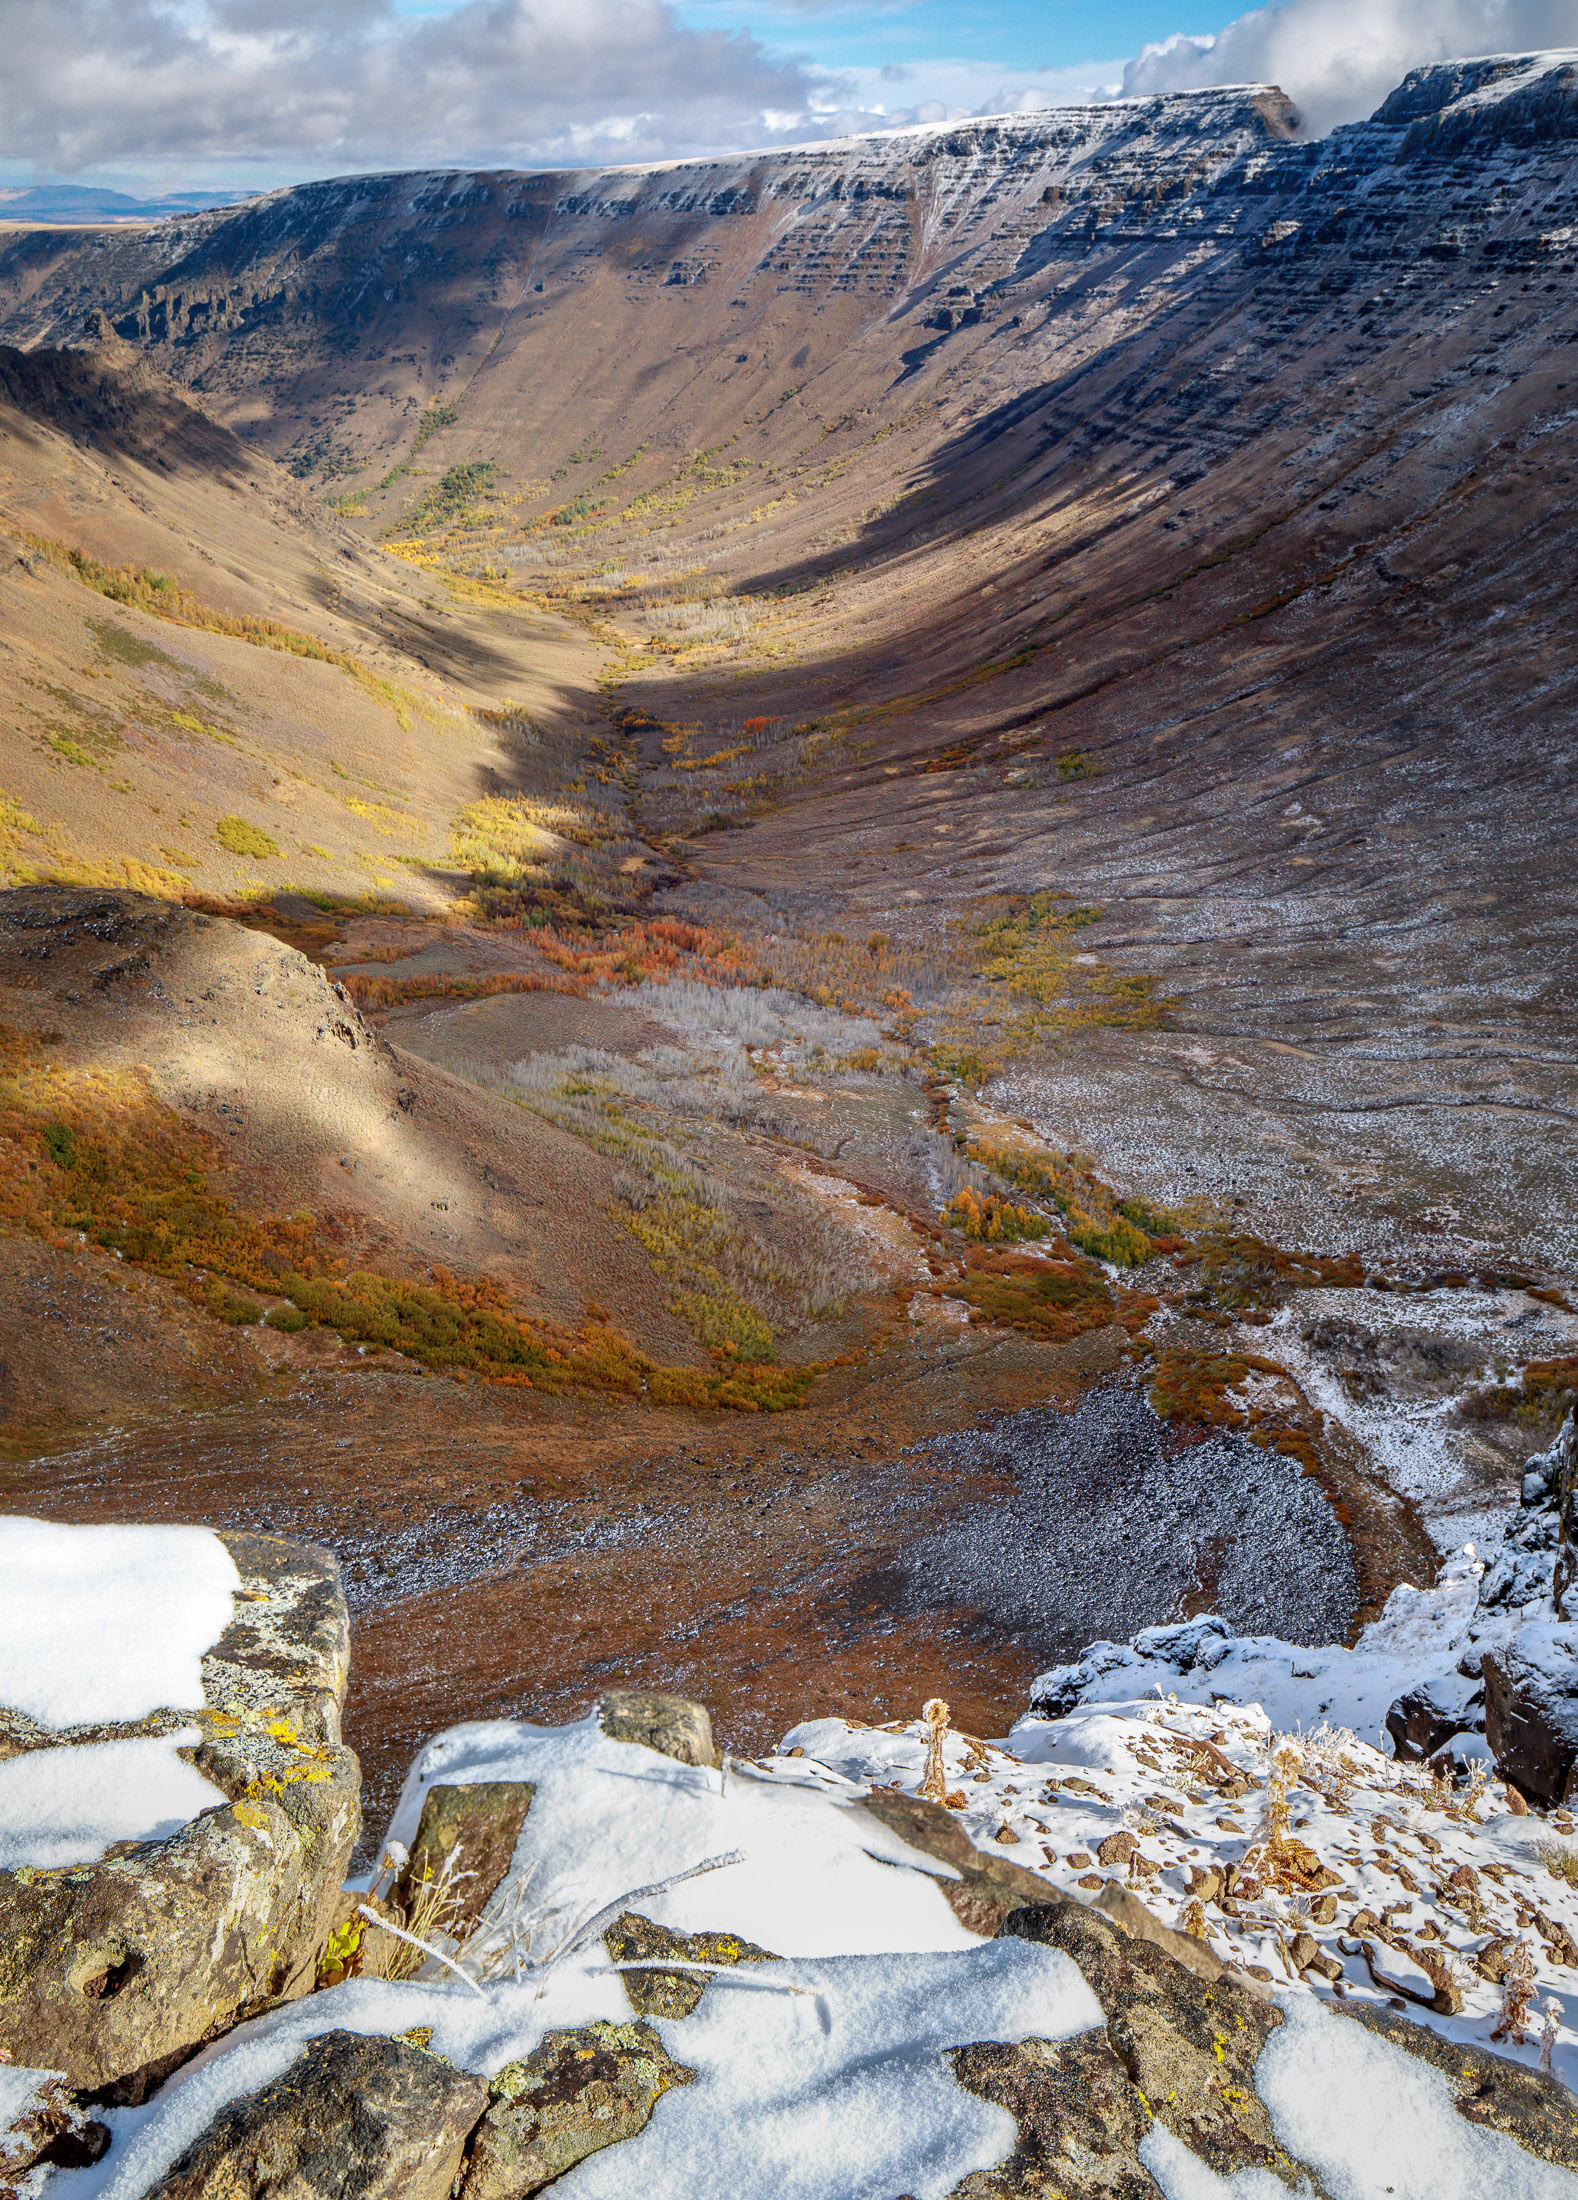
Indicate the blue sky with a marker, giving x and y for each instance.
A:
(1009, 34)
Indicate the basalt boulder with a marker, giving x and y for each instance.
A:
(1531, 1709)
(573, 2095)
(375, 2119)
(672, 1725)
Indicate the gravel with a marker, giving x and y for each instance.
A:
(1111, 1528)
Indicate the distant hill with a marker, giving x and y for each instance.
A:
(82, 202)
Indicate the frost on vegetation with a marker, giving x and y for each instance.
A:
(732, 1284)
(1243, 1787)
(733, 1021)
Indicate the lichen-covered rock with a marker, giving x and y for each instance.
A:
(287, 1651)
(1531, 1709)
(672, 1725)
(41, 2120)
(113, 1971)
(471, 1831)
(573, 2095)
(1189, 2045)
(1080, 2120)
(637, 1939)
(352, 2119)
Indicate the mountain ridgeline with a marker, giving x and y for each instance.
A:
(668, 303)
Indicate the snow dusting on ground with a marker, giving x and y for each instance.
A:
(1245, 1790)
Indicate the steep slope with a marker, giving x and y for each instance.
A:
(1195, 497)
(208, 683)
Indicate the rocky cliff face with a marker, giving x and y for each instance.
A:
(319, 317)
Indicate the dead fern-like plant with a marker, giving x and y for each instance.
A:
(1517, 1994)
(432, 1912)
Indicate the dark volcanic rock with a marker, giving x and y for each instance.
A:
(352, 2119)
(1525, 1566)
(1531, 1709)
(1080, 2120)
(575, 2094)
(478, 1826)
(1190, 2046)
(1424, 1719)
(52, 2126)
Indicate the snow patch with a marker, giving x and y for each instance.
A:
(817, 1878)
(108, 1624)
(66, 1806)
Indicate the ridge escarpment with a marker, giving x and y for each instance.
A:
(282, 305)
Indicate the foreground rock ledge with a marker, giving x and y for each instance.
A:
(114, 1972)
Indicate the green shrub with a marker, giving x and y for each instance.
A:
(232, 1306)
(243, 839)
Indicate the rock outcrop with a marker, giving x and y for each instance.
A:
(1188, 2046)
(1531, 1710)
(380, 2119)
(466, 1837)
(41, 2121)
(114, 1971)
(633, 1939)
(577, 2093)
(672, 1725)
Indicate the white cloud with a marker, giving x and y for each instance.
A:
(324, 84)
(949, 91)
(1338, 59)
(184, 92)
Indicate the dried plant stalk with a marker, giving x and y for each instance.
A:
(935, 1785)
(1517, 1992)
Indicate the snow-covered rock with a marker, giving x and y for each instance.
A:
(1522, 1575)
(859, 2039)
(176, 1808)
(1419, 1638)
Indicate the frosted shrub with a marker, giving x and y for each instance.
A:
(1517, 1995)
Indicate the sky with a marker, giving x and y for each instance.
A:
(156, 96)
